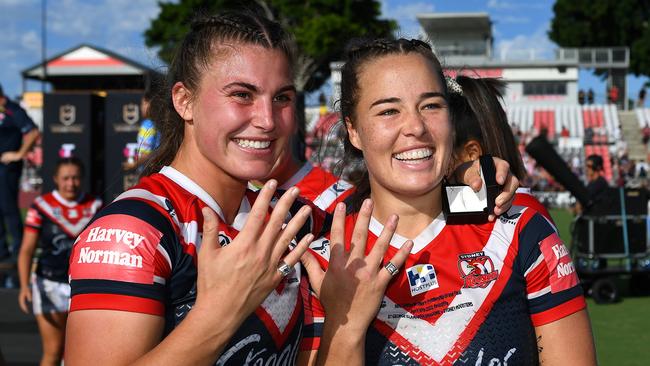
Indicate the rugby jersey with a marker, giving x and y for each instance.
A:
(139, 255)
(58, 221)
(467, 294)
(319, 186)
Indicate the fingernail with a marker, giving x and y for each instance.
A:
(271, 184)
(294, 191)
(309, 237)
(340, 206)
(367, 203)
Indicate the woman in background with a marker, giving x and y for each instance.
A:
(52, 224)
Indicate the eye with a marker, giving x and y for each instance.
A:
(282, 98)
(388, 112)
(432, 106)
(243, 95)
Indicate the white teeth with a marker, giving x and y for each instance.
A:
(253, 144)
(415, 154)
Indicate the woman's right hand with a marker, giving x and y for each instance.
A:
(24, 299)
(240, 276)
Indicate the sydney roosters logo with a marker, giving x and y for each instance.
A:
(477, 270)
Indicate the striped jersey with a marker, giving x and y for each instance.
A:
(467, 294)
(58, 221)
(139, 255)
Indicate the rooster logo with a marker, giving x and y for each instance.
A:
(477, 270)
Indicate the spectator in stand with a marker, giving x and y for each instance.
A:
(590, 96)
(645, 132)
(18, 133)
(581, 96)
(641, 101)
(613, 94)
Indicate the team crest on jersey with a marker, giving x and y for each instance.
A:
(422, 278)
(477, 270)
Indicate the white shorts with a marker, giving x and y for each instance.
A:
(49, 296)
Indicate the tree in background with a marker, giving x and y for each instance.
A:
(321, 28)
(605, 23)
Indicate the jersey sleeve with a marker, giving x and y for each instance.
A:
(552, 285)
(122, 260)
(33, 219)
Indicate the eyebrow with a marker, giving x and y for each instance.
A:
(255, 89)
(396, 100)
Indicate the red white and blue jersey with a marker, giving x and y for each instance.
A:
(524, 197)
(58, 221)
(139, 255)
(467, 294)
(319, 186)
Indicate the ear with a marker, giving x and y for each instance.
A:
(181, 97)
(352, 134)
(471, 150)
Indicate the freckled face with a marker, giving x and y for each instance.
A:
(244, 110)
(402, 125)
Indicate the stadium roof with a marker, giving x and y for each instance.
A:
(90, 67)
(434, 23)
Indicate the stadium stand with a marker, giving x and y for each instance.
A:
(643, 115)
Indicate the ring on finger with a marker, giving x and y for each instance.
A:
(284, 269)
(391, 268)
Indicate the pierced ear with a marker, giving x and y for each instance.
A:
(472, 150)
(352, 134)
(181, 97)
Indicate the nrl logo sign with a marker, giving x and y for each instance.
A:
(67, 114)
(130, 113)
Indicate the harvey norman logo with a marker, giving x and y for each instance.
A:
(100, 234)
(87, 255)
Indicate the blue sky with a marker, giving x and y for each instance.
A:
(118, 25)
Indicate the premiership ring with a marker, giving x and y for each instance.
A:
(391, 268)
(284, 269)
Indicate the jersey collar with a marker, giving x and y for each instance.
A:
(419, 242)
(189, 185)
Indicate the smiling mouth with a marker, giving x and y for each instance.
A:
(415, 155)
(253, 144)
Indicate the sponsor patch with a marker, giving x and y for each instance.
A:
(116, 247)
(561, 271)
(422, 278)
(477, 270)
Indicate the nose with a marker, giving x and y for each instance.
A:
(413, 124)
(264, 117)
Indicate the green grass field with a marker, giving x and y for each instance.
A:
(620, 330)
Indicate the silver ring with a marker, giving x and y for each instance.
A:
(284, 269)
(391, 268)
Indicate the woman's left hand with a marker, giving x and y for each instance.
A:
(353, 286)
(469, 173)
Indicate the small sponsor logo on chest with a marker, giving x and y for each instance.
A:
(422, 278)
